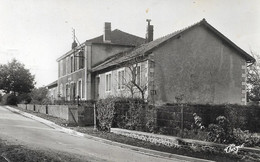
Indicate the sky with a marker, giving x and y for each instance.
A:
(37, 32)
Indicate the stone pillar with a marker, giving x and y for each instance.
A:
(243, 92)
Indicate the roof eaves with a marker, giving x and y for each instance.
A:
(53, 84)
(112, 44)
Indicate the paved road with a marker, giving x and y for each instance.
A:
(32, 133)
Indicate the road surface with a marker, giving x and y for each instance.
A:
(29, 132)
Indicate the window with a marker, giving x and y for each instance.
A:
(121, 79)
(75, 63)
(67, 65)
(108, 82)
(80, 88)
(137, 74)
(61, 68)
(61, 90)
(81, 59)
(71, 64)
(72, 91)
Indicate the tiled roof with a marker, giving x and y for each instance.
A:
(140, 50)
(118, 37)
(145, 49)
(121, 38)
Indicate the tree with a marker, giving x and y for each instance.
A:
(15, 78)
(39, 95)
(131, 80)
(253, 80)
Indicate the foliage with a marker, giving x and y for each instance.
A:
(197, 122)
(129, 113)
(194, 134)
(24, 98)
(105, 113)
(39, 96)
(253, 80)
(151, 126)
(245, 117)
(9, 99)
(246, 138)
(14, 77)
(220, 132)
(135, 115)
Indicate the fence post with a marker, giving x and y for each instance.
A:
(95, 118)
(182, 120)
(47, 112)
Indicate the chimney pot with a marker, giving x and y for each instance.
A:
(74, 45)
(107, 32)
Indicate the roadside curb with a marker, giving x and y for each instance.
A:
(78, 134)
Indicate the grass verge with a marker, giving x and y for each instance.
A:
(12, 152)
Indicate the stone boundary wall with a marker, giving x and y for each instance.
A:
(30, 107)
(67, 112)
(23, 106)
(60, 111)
(40, 108)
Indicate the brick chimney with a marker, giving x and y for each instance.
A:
(149, 31)
(107, 32)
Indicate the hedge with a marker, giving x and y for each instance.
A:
(121, 112)
(171, 119)
(240, 116)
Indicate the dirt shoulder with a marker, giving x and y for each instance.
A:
(10, 151)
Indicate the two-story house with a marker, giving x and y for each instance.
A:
(75, 78)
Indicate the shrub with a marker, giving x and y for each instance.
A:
(129, 113)
(246, 138)
(105, 113)
(9, 99)
(151, 126)
(136, 115)
(220, 132)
